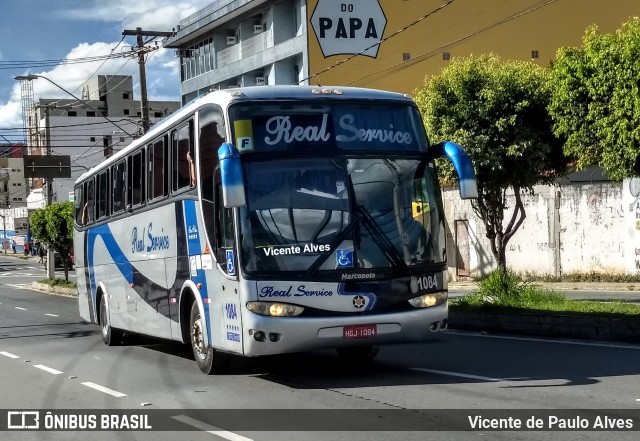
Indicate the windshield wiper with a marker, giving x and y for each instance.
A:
(382, 241)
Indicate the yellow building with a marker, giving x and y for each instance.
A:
(419, 37)
(382, 44)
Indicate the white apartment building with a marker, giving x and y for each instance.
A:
(241, 43)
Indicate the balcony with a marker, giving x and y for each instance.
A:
(245, 48)
(260, 42)
(228, 55)
(4, 175)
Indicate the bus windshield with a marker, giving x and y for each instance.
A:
(320, 214)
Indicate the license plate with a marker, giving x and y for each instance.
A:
(359, 331)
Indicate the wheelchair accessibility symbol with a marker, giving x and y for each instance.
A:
(231, 266)
(344, 258)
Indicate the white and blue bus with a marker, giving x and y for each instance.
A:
(269, 220)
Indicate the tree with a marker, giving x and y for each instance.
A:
(53, 226)
(498, 112)
(596, 100)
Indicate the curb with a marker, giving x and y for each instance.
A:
(70, 292)
(552, 325)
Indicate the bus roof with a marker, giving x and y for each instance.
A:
(224, 97)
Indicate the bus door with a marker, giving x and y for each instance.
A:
(228, 321)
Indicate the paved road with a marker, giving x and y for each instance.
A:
(49, 358)
(19, 272)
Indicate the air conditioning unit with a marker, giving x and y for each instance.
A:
(231, 39)
(259, 81)
(257, 29)
(185, 53)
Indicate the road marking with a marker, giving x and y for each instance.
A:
(106, 390)
(48, 369)
(21, 309)
(210, 429)
(548, 340)
(458, 374)
(16, 286)
(53, 315)
(8, 354)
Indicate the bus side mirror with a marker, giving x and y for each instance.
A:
(461, 163)
(231, 175)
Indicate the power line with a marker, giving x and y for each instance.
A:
(413, 23)
(25, 64)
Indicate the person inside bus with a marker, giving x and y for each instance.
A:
(192, 169)
(85, 213)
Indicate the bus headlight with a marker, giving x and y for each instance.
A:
(275, 309)
(429, 300)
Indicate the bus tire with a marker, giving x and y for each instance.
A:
(208, 361)
(110, 336)
(357, 354)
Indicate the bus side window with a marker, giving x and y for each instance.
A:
(135, 174)
(182, 148)
(211, 136)
(158, 166)
(90, 191)
(103, 195)
(119, 187)
(78, 203)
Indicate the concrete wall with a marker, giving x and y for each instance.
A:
(569, 228)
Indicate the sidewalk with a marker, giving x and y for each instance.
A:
(560, 286)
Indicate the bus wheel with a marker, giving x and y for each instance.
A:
(207, 359)
(110, 336)
(358, 354)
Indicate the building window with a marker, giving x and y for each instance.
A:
(91, 113)
(446, 56)
(406, 56)
(125, 96)
(126, 111)
(199, 58)
(72, 113)
(535, 54)
(92, 139)
(157, 114)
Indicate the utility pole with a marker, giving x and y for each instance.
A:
(139, 33)
(4, 233)
(47, 134)
(51, 264)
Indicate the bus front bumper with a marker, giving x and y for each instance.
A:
(273, 335)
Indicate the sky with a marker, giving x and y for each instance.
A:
(32, 31)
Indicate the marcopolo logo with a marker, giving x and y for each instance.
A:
(348, 28)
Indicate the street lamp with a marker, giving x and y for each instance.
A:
(30, 77)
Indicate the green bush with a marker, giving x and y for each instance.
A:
(507, 291)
